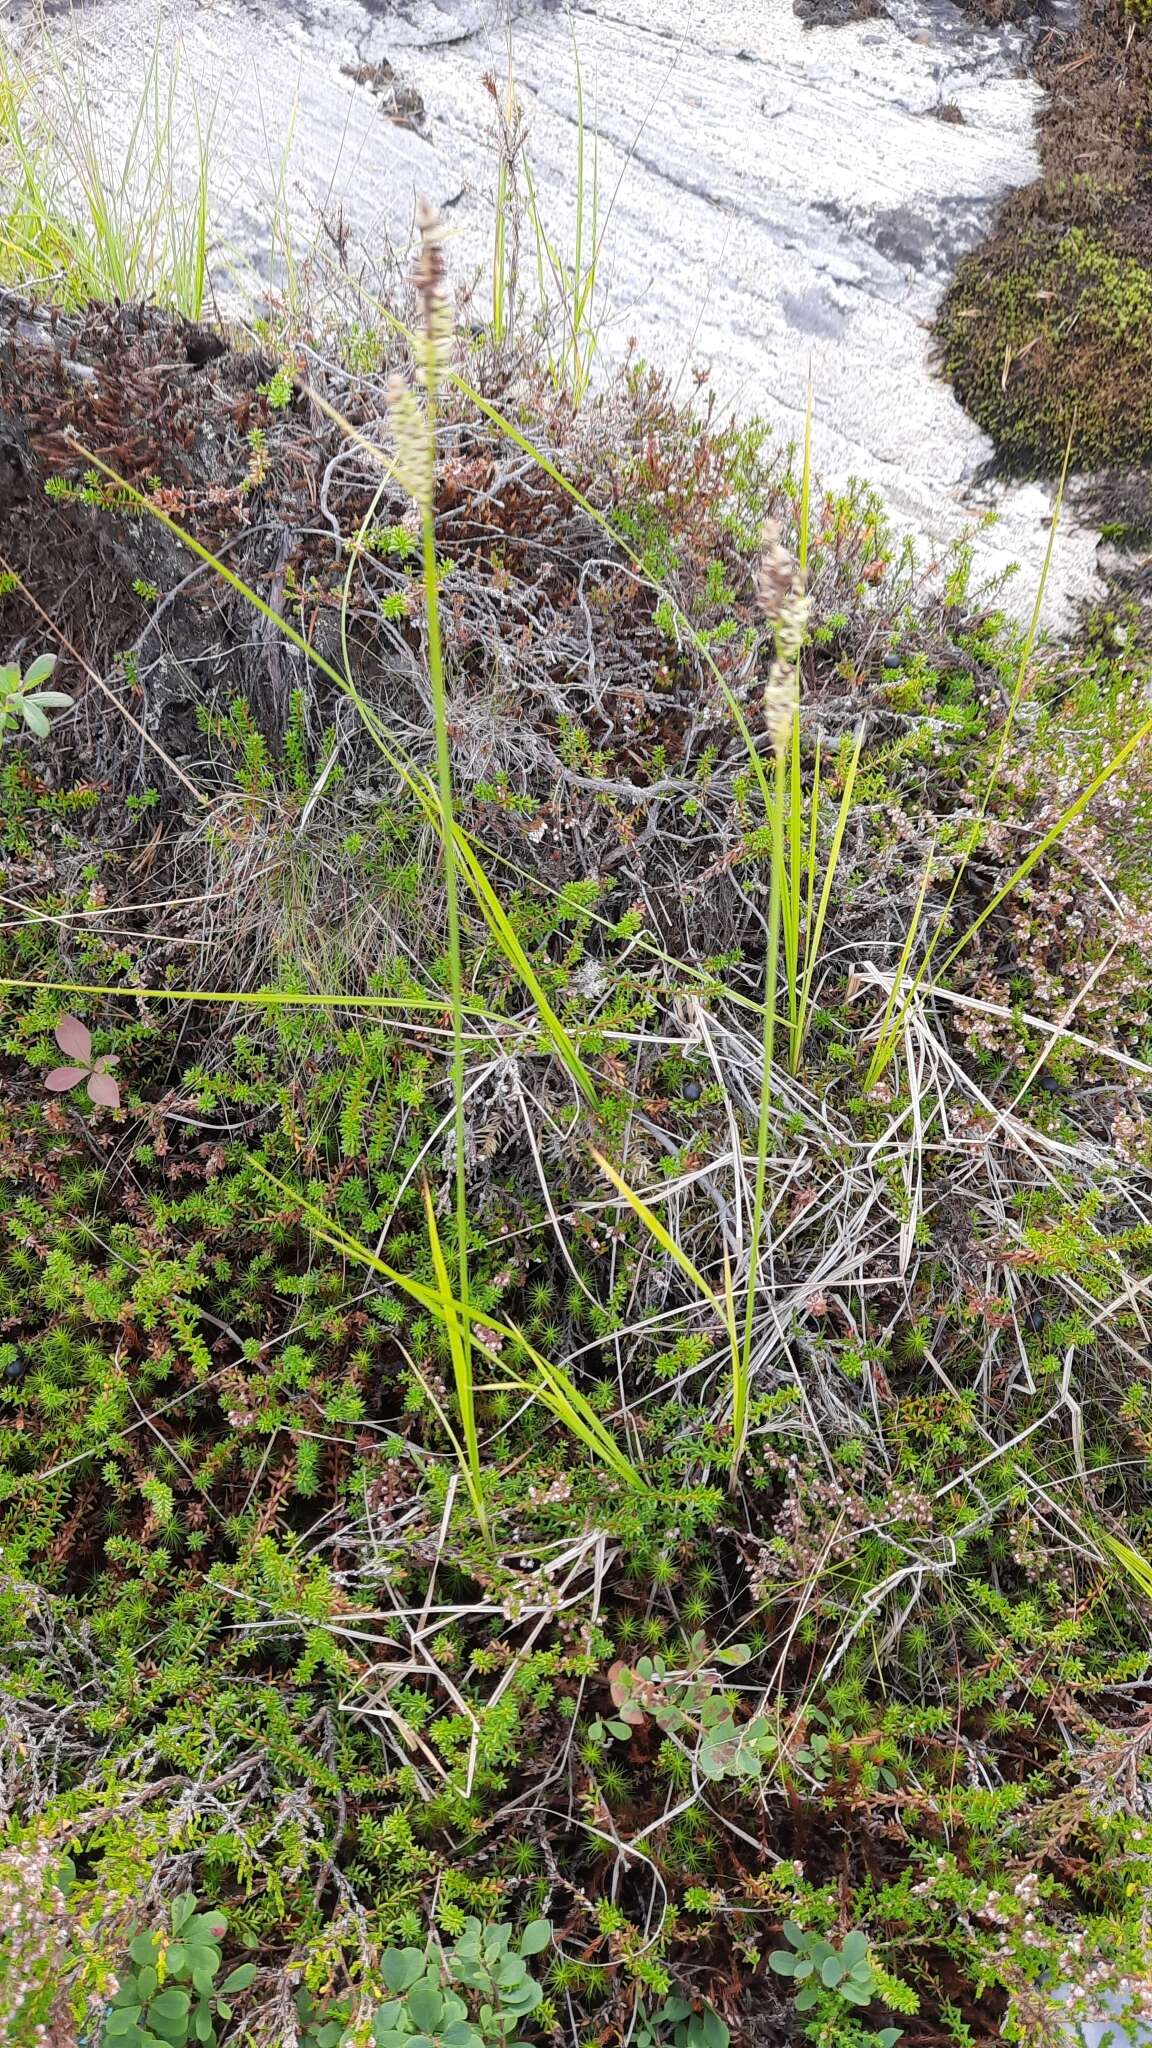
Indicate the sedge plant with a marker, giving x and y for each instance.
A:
(550, 1384)
(571, 285)
(414, 427)
(103, 215)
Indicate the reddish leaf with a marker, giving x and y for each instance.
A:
(65, 1077)
(102, 1088)
(620, 1688)
(75, 1039)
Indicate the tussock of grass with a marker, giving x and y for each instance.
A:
(89, 214)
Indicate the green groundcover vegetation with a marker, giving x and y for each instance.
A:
(575, 1144)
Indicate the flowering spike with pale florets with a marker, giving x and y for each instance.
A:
(784, 603)
(430, 278)
(412, 419)
(415, 456)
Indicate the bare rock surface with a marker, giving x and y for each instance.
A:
(776, 199)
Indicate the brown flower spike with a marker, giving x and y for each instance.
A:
(75, 1039)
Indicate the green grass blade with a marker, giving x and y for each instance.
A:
(460, 1350)
(470, 864)
(722, 1304)
(552, 1386)
(764, 1122)
(1050, 839)
(505, 935)
(889, 1040)
(815, 929)
(889, 1032)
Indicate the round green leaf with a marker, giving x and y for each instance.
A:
(831, 1971)
(169, 2004)
(783, 1962)
(855, 1948)
(239, 1979)
(425, 2005)
(525, 1998)
(209, 1927)
(458, 2034)
(121, 2020)
(400, 1967)
(143, 1949)
(535, 1937)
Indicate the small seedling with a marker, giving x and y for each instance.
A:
(676, 2025)
(690, 1707)
(427, 2010)
(825, 1972)
(74, 1038)
(170, 1996)
(22, 697)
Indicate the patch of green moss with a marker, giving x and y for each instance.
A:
(1043, 339)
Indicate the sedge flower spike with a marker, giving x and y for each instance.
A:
(415, 456)
(430, 278)
(784, 604)
(413, 417)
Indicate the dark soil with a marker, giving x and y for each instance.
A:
(837, 13)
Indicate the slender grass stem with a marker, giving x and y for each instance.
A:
(452, 902)
(742, 1373)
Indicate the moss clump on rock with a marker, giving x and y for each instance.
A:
(1047, 325)
(1043, 338)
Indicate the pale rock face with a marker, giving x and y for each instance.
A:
(775, 201)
